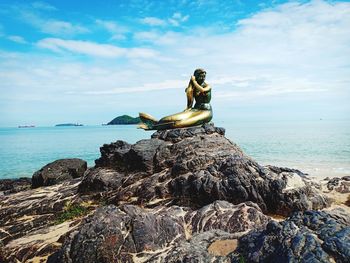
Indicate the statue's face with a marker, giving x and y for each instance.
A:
(200, 78)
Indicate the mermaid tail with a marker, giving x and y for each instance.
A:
(147, 121)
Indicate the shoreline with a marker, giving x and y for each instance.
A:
(162, 182)
(317, 171)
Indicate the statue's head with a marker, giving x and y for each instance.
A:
(200, 74)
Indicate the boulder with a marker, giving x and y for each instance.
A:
(58, 171)
(341, 185)
(310, 236)
(10, 186)
(185, 195)
(28, 220)
(196, 166)
(132, 234)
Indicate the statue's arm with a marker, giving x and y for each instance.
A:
(189, 95)
(199, 87)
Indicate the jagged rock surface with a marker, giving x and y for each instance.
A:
(312, 236)
(194, 167)
(341, 185)
(130, 233)
(28, 221)
(186, 195)
(59, 170)
(10, 186)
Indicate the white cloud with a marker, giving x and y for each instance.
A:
(176, 20)
(94, 49)
(153, 21)
(163, 85)
(49, 25)
(17, 39)
(294, 47)
(43, 6)
(292, 51)
(57, 27)
(118, 32)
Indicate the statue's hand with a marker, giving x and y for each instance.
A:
(193, 78)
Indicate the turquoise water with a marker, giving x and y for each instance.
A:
(320, 148)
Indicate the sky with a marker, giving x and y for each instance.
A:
(90, 61)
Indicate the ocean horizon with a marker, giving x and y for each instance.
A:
(319, 148)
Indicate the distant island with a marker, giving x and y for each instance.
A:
(68, 124)
(124, 119)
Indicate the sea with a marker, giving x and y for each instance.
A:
(320, 148)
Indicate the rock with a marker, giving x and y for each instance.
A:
(100, 180)
(227, 217)
(341, 185)
(311, 236)
(209, 246)
(196, 166)
(332, 183)
(9, 186)
(28, 220)
(58, 171)
(112, 155)
(185, 195)
(346, 178)
(132, 234)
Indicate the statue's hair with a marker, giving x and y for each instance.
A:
(198, 71)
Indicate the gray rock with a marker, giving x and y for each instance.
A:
(312, 236)
(33, 211)
(10, 186)
(59, 170)
(196, 166)
(341, 185)
(100, 179)
(132, 234)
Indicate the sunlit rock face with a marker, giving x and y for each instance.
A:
(184, 195)
(312, 236)
(194, 167)
(132, 234)
(58, 171)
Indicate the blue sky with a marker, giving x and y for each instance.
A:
(69, 61)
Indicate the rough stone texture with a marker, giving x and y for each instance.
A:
(312, 236)
(10, 186)
(101, 180)
(200, 248)
(194, 167)
(25, 217)
(58, 171)
(185, 195)
(130, 233)
(341, 185)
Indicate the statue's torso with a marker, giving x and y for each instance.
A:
(202, 99)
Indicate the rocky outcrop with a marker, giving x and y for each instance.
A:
(59, 170)
(185, 195)
(10, 186)
(312, 236)
(194, 167)
(132, 234)
(27, 210)
(28, 220)
(341, 185)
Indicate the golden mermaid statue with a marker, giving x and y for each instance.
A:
(200, 113)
